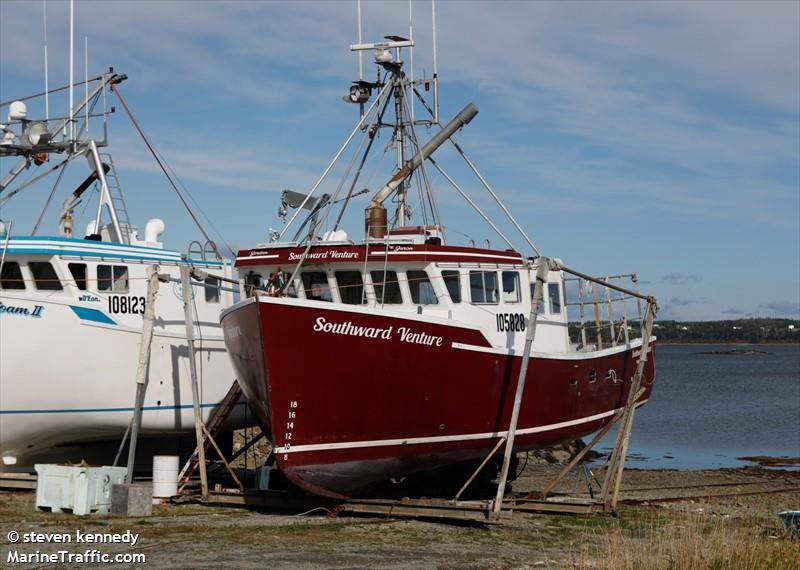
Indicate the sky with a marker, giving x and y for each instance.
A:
(661, 138)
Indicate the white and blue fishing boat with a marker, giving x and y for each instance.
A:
(72, 306)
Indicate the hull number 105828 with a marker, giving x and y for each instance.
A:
(510, 322)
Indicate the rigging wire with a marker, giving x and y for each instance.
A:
(41, 94)
(374, 136)
(437, 219)
(63, 166)
(164, 170)
(208, 219)
(90, 105)
(332, 199)
(484, 183)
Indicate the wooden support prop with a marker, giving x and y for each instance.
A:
(247, 446)
(215, 422)
(538, 291)
(575, 460)
(222, 457)
(142, 367)
(609, 492)
(480, 467)
(186, 286)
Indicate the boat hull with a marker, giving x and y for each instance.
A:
(68, 376)
(352, 398)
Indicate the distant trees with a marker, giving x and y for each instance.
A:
(739, 330)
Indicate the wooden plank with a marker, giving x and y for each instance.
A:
(529, 506)
(24, 481)
(478, 511)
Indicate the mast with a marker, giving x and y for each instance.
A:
(435, 68)
(71, 72)
(46, 83)
(399, 138)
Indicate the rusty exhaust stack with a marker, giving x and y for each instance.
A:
(375, 217)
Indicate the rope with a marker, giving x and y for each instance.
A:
(164, 170)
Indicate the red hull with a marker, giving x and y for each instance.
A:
(347, 412)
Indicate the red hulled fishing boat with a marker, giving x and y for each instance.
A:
(400, 354)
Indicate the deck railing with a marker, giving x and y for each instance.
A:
(602, 312)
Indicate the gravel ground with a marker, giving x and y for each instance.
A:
(736, 531)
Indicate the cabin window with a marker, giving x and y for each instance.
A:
(212, 290)
(452, 280)
(11, 276)
(483, 287)
(252, 282)
(351, 287)
(315, 284)
(422, 292)
(78, 271)
(533, 296)
(112, 278)
(511, 290)
(554, 292)
(45, 276)
(387, 287)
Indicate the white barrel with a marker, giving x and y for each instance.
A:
(165, 476)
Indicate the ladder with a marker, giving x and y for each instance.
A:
(215, 422)
(117, 200)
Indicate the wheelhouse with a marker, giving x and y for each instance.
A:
(401, 274)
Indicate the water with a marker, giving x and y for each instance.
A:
(708, 410)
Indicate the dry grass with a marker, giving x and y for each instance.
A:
(688, 541)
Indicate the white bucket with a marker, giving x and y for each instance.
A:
(165, 476)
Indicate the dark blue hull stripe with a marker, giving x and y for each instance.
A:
(96, 410)
(94, 315)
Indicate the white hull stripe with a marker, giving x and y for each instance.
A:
(443, 438)
(635, 343)
(449, 254)
(250, 258)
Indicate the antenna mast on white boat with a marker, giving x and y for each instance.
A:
(46, 84)
(435, 68)
(411, 57)
(71, 73)
(86, 78)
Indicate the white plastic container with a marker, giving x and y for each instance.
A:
(165, 476)
(82, 490)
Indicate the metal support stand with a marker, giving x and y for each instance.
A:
(198, 420)
(143, 366)
(541, 279)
